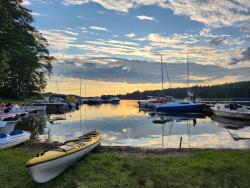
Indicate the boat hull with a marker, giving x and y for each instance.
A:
(49, 164)
(194, 108)
(47, 171)
(11, 141)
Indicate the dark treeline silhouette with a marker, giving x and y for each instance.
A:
(228, 90)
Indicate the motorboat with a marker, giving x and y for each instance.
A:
(49, 164)
(94, 101)
(114, 100)
(232, 110)
(14, 138)
(7, 127)
(181, 107)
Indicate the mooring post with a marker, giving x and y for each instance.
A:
(180, 143)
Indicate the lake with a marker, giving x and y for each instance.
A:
(124, 125)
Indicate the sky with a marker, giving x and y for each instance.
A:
(115, 46)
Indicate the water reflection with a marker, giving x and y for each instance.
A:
(124, 124)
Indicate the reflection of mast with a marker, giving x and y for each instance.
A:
(80, 102)
(188, 132)
(162, 136)
(170, 130)
(236, 138)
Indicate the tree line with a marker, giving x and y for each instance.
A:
(228, 90)
(25, 61)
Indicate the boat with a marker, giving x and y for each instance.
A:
(49, 164)
(9, 117)
(152, 102)
(114, 100)
(181, 107)
(94, 101)
(14, 138)
(7, 127)
(232, 110)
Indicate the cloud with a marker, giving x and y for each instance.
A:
(245, 29)
(130, 35)
(245, 56)
(59, 39)
(143, 17)
(217, 41)
(97, 28)
(80, 17)
(212, 13)
(135, 71)
(26, 3)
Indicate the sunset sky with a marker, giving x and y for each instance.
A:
(115, 45)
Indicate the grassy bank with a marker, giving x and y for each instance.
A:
(112, 169)
(16, 101)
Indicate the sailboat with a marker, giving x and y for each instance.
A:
(184, 106)
(154, 101)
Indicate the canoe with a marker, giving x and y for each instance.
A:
(49, 164)
(14, 138)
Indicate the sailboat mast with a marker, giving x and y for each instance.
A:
(187, 73)
(161, 76)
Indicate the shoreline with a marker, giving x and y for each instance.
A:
(131, 150)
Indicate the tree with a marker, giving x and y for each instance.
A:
(24, 59)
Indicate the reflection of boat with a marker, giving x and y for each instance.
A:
(232, 110)
(14, 138)
(181, 107)
(230, 123)
(7, 127)
(51, 163)
(164, 118)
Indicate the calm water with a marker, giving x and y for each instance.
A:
(125, 125)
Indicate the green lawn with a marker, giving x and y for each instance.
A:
(109, 169)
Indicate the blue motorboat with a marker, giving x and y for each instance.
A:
(14, 138)
(181, 107)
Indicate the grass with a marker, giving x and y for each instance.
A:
(16, 101)
(109, 169)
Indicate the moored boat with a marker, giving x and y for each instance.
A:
(181, 107)
(231, 110)
(14, 138)
(153, 102)
(49, 164)
(114, 100)
(7, 127)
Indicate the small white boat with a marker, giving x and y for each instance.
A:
(114, 100)
(231, 110)
(14, 138)
(7, 127)
(49, 164)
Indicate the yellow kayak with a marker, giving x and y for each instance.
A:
(49, 164)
